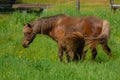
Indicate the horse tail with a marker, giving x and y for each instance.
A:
(105, 34)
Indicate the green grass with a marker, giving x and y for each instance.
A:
(40, 60)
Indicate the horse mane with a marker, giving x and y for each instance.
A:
(46, 23)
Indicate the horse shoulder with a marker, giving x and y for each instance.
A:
(57, 33)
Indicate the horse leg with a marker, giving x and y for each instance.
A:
(76, 56)
(93, 51)
(79, 55)
(70, 55)
(68, 58)
(84, 54)
(106, 49)
(60, 53)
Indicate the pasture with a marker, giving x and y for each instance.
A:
(40, 61)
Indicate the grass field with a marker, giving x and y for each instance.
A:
(40, 60)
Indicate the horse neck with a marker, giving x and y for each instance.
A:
(47, 26)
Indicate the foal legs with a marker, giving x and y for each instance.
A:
(106, 49)
(70, 55)
(60, 52)
(93, 51)
(84, 54)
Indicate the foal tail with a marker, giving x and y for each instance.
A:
(105, 34)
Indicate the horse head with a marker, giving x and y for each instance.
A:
(29, 35)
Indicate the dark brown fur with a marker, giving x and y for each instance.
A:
(73, 44)
(94, 30)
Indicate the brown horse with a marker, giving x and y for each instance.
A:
(94, 30)
(40, 26)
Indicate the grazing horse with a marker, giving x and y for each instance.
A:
(41, 26)
(94, 30)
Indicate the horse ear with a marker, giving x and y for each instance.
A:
(29, 25)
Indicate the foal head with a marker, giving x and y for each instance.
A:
(29, 35)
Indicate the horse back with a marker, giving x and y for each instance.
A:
(88, 26)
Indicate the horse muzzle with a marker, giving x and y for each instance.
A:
(25, 44)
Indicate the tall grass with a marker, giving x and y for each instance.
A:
(40, 60)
